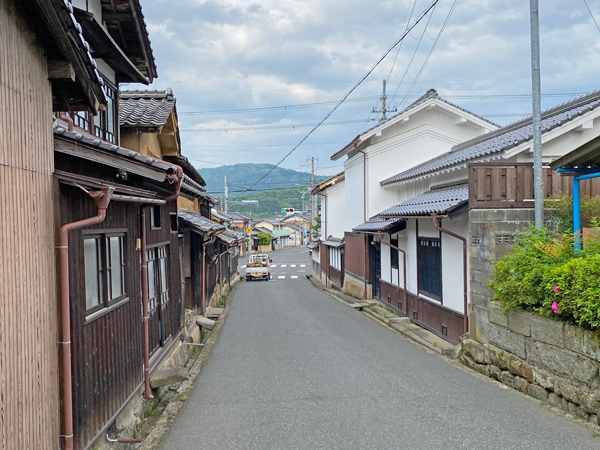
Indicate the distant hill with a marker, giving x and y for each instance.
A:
(242, 176)
(283, 188)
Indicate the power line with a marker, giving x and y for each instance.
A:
(593, 18)
(353, 88)
(274, 127)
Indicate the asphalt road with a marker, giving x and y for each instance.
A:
(296, 369)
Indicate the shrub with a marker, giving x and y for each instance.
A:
(561, 207)
(545, 268)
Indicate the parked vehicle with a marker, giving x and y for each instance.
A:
(258, 267)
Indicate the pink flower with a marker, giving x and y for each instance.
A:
(555, 307)
(556, 288)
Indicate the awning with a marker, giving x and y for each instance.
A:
(443, 201)
(313, 244)
(386, 224)
(333, 243)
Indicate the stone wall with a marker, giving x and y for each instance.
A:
(491, 235)
(355, 286)
(549, 360)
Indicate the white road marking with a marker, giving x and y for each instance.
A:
(302, 265)
(301, 271)
(293, 265)
(242, 267)
(284, 265)
(281, 277)
(294, 277)
(273, 265)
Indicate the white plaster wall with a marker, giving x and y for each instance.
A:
(452, 272)
(353, 192)
(335, 213)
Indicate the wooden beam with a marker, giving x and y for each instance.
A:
(60, 70)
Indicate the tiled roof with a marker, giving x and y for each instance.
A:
(199, 222)
(438, 202)
(431, 94)
(282, 233)
(238, 216)
(377, 224)
(145, 109)
(503, 139)
(60, 129)
(220, 215)
(230, 236)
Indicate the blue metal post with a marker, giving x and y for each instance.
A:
(576, 213)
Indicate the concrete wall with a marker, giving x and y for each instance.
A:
(552, 361)
(491, 234)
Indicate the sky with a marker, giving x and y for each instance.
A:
(252, 78)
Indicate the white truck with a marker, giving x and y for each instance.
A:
(258, 267)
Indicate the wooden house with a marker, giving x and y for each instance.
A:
(44, 67)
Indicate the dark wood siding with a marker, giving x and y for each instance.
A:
(356, 259)
(436, 317)
(107, 351)
(196, 271)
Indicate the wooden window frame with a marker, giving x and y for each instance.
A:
(421, 289)
(105, 270)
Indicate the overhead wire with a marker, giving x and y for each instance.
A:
(591, 14)
(432, 5)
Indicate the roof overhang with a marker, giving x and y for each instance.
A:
(105, 48)
(585, 156)
(328, 183)
(377, 224)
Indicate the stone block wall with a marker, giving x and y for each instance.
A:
(491, 235)
(549, 360)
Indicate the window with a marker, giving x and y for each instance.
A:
(104, 268)
(429, 267)
(158, 286)
(155, 217)
(174, 222)
(335, 258)
(394, 252)
(105, 122)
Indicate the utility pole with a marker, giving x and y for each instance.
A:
(226, 195)
(538, 183)
(383, 109)
(313, 205)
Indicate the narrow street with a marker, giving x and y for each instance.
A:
(296, 369)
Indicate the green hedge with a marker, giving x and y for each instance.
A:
(545, 268)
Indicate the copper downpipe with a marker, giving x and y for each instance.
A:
(436, 223)
(403, 266)
(364, 211)
(145, 311)
(102, 199)
(67, 119)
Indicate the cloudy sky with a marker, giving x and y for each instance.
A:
(238, 66)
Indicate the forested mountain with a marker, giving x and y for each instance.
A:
(282, 188)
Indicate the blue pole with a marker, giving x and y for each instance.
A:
(576, 213)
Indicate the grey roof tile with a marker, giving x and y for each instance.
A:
(145, 109)
(438, 202)
(197, 221)
(502, 139)
(377, 224)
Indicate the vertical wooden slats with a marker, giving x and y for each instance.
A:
(29, 405)
(356, 245)
(497, 185)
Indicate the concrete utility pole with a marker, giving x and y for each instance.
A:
(538, 183)
(226, 195)
(313, 204)
(383, 109)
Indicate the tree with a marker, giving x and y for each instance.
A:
(316, 229)
(264, 238)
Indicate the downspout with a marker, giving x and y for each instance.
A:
(101, 199)
(145, 311)
(212, 240)
(177, 179)
(436, 223)
(67, 119)
(403, 266)
(324, 213)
